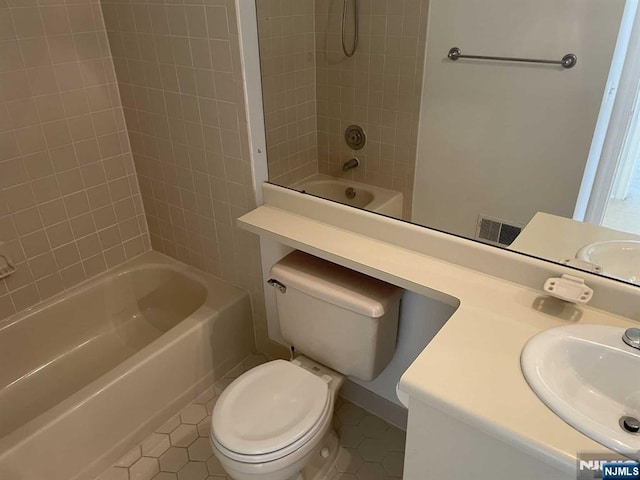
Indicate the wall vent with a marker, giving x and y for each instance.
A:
(496, 231)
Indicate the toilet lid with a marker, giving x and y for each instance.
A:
(269, 408)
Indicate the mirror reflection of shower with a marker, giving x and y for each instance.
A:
(349, 52)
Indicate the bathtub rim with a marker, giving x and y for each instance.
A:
(382, 196)
(145, 261)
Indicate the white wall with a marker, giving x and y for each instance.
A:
(441, 446)
(509, 139)
(606, 118)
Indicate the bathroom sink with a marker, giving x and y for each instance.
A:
(590, 378)
(618, 258)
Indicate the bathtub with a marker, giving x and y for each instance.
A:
(367, 197)
(85, 376)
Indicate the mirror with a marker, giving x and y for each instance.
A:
(385, 105)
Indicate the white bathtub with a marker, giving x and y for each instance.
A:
(367, 197)
(85, 375)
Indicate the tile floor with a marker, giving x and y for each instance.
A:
(370, 448)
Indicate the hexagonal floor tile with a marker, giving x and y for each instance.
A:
(236, 372)
(214, 467)
(395, 439)
(253, 361)
(348, 461)
(173, 459)
(155, 444)
(210, 404)
(170, 425)
(200, 450)
(204, 427)
(193, 471)
(373, 427)
(350, 436)
(345, 476)
(193, 414)
(393, 463)
(166, 476)
(184, 435)
(144, 469)
(371, 471)
(205, 396)
(372, 449)
(222, 384)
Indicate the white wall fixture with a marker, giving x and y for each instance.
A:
(568, 288)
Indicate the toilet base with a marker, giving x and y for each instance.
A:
(322, 460)
(311, 465)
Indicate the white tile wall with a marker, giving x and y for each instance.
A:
(70, 205)
(288, 65)
(378, 88)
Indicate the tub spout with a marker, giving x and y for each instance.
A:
(349, 164)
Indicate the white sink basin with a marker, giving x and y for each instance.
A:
(590, 378)
(618, 258)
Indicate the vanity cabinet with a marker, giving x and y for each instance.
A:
(440, 446)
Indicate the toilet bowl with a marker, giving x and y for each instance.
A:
(274, 422)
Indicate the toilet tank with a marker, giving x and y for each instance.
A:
(338, 317)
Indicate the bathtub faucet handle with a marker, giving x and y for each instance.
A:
(349, 164)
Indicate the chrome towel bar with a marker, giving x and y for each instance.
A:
(568, 61)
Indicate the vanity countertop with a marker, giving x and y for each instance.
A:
(471, 368)
(553, 237)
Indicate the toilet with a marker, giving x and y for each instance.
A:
(274, 422)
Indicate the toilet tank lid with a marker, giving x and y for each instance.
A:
(335, 284)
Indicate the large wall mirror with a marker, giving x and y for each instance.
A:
(510, 122)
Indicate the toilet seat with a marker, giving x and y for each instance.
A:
(269, 412)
